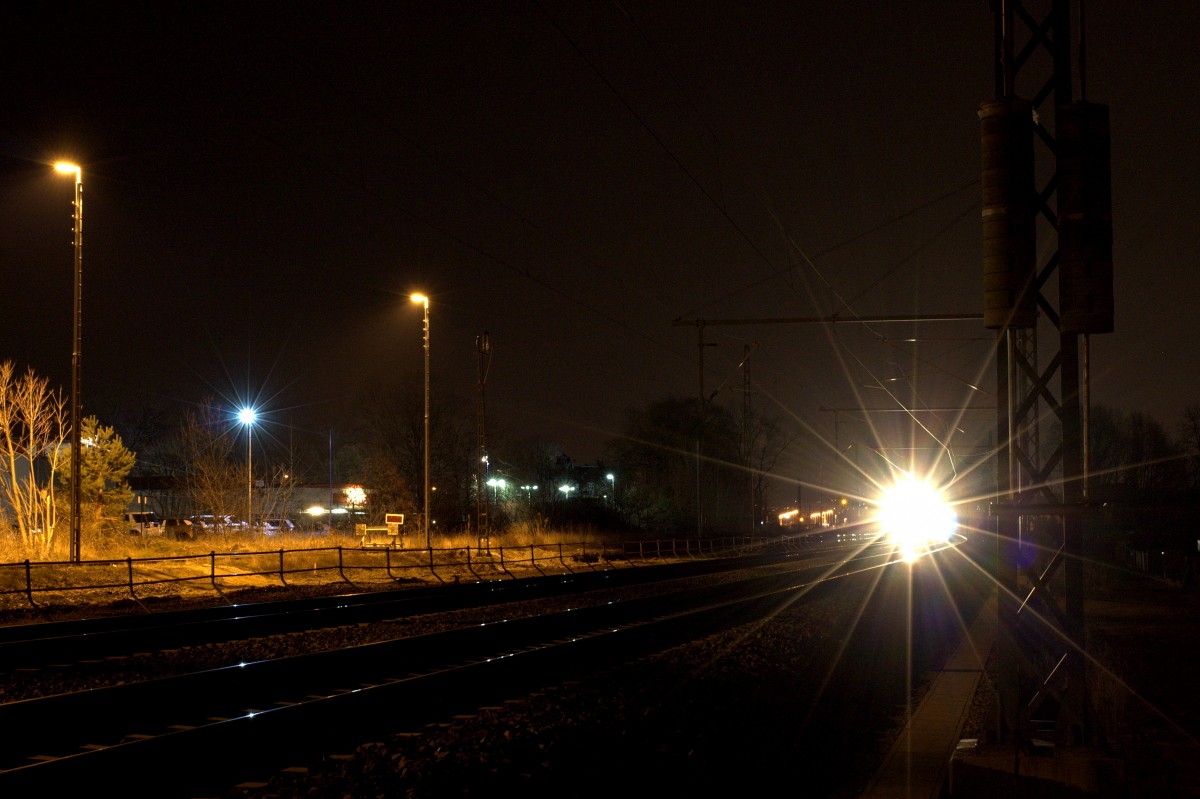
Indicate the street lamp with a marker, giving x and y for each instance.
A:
(421, 298)
(497, 483)
(66, 168)
(612, 481)
(247, 416)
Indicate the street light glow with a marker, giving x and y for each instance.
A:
(420, 299)
(68, 168)
(247, 416)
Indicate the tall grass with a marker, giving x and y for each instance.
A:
(100, 544)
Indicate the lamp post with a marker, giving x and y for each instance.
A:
(247, 416)
(66, 168)
(612, 481)
(421, 298)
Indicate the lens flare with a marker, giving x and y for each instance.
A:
(915, 516)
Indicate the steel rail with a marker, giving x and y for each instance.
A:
(68, 642)
(164, 730)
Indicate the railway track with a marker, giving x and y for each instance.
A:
(194, 733)
(63, 643)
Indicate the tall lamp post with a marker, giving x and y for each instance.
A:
(66, 168)
(247, 416)
(421, 298)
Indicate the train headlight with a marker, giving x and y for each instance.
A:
(914, 516)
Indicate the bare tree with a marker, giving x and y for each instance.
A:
(390, 423)
(213, 480)
(275, 494)
(659, 458)
(1189, 430)
(769, 439)
(33, 428)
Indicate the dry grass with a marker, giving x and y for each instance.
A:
(98, 544)
(117, 566)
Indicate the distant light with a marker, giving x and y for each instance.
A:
(420, 299)
(497, 482)
(316, 510)
(247, 416)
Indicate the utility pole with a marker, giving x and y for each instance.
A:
(701, 324)
(1039, 525)
(701, 344)
(747, 437)
(483, 350)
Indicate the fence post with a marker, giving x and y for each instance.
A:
(28, 581)
(471, 568)
(282, 579)
(432, 570)
(341, 573)
(129, 564)
(212, 569)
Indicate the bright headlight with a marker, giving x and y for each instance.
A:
(914, 515)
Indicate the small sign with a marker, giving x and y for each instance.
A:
(393, 518)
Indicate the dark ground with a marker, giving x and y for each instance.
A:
(1143, 645)
(809, 698)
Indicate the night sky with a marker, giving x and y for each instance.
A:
(266, 183)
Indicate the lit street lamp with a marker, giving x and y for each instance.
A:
(247, 416)
(66, 168)
(421, 298)
(612, 481)
(497, 483)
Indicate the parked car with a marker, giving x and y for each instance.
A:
(273, 526)
(210, 523)
(179, 529)
(143, 523)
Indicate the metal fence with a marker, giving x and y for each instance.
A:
(140, 578)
